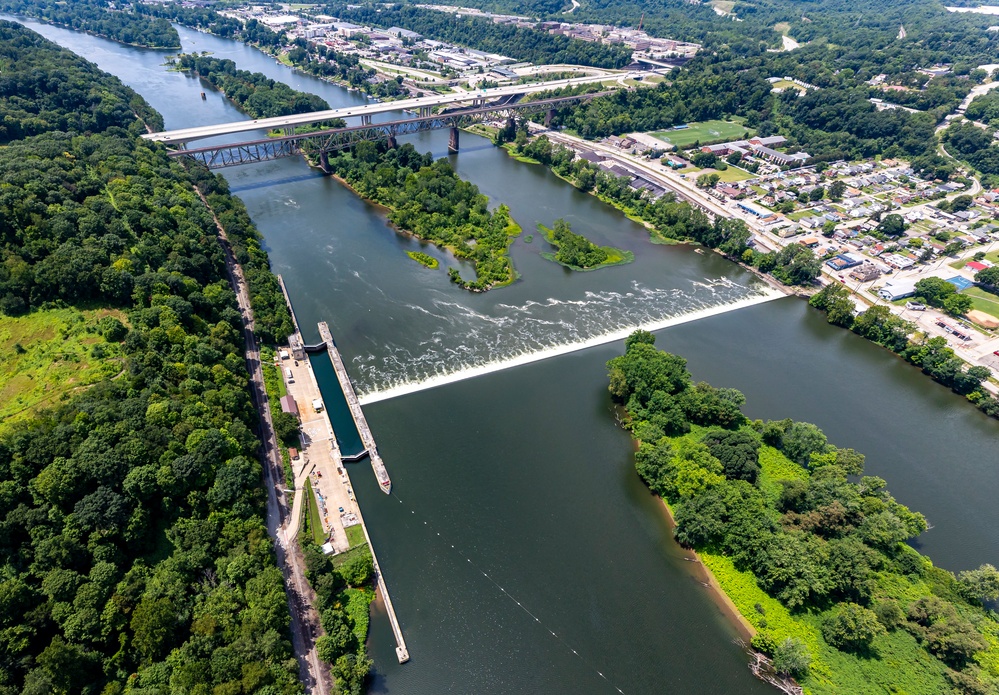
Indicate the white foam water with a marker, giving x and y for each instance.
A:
(401, 389)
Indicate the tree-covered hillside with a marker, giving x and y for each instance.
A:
(127, 23)
(133, 551)
(44, 87)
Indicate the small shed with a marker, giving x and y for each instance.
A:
(288, 405)
(293, 453)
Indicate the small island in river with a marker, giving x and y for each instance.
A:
(579, 253)
(424, 259)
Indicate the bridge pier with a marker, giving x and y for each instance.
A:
(511, 123)
(452, 143)
(366, 119)
(392, 144)
(324, 161)
(549, 115)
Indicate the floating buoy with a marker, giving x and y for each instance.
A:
(203, 97)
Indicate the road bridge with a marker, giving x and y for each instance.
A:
(422, 106)
(318, 145)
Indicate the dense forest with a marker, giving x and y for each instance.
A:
(131, 25)
(813, 552)
(132, 539)
(253, 92)
(483, 35)
(428, 199)
(42, 89)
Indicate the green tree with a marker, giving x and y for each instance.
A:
(738, 452)
(934, 290)
(835, 300)
(981, 584)
(801, 440)
(791, 658)
(988, 277)
(851, 627)
(957, 304)
(892, 225)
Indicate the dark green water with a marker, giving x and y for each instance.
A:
(523, 470)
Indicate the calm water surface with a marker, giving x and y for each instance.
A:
(517, 487)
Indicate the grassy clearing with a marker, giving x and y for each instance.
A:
(705, 132)
(983, 301)
(782, 27)
(313, 523)
(800, 215)
(774, 467)
(733, 174)
(787, 84)
(355, 535)
(46, 355)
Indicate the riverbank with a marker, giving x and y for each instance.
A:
(824, 592)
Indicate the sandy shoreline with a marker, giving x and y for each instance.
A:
(707, 579)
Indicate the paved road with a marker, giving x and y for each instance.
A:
(305, 627)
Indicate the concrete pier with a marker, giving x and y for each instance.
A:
(322, 464)
(377, 465)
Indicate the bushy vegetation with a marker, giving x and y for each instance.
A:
(343, 597)
(818, 557)
(133, 550)
(428, 199)
(44, 87)
(577, 252)
(131, 24)
(931, 354)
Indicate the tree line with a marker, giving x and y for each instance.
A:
(931, 354)
(253, 92)
(132, 538)
(130, 24)
(820, 537)
(427, 198)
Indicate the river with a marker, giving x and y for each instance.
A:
(523, 553)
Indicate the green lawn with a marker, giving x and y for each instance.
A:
(704, 132)
(800, 215)
(983, 301)
(733, 174)
(786, 84)
(355, 535)
(46, 355)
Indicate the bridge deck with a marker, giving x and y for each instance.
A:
(184, 135)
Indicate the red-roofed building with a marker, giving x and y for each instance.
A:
(975, 265)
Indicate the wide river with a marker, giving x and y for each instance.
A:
(523, 553)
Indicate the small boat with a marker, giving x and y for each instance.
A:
(203, 97)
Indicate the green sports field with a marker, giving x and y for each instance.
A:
(704, 132)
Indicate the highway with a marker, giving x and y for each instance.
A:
(185, 135)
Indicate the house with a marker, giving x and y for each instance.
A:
(288, 405)
(895, 290)
(590, 156)
(865, 272)
(975, 266)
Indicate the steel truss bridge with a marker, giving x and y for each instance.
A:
(317, 145)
